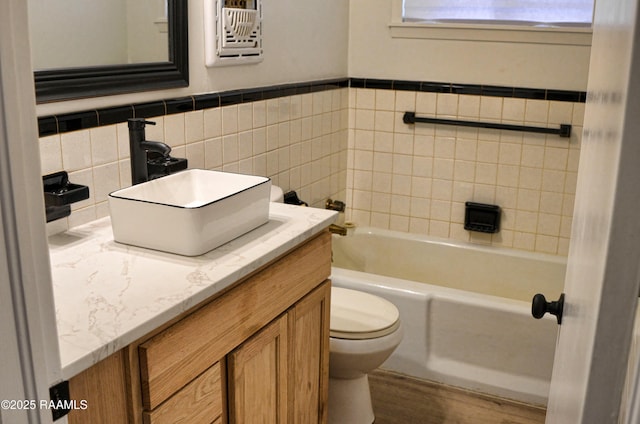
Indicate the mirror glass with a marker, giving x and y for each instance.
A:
(87, 48)
(75, 33)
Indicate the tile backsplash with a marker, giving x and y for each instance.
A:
(417, 178)
(299, 141)
(351, 144)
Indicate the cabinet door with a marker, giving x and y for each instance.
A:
(103, 387)
(309, 357)
(257, 377)
(174, 357)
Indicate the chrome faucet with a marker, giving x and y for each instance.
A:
(138, 148)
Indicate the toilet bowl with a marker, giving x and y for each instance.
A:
(365, 330)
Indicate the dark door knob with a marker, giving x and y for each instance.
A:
(540, 306)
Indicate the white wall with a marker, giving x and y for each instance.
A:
(303, 41)
(308, 41)
(374, 53)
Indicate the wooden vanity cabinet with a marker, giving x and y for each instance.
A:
(280, 375)
(258, 374)
(257, 353)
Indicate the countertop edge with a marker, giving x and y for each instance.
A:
(308, 222)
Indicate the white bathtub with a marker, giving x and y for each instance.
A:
(465, 308)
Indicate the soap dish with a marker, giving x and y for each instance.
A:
(59, 193)
(482, 217)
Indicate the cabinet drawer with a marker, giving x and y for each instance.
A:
(198, 402)
(174, 357)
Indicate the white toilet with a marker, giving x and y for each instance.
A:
(365, 330)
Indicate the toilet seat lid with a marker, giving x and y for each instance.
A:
(359, 315)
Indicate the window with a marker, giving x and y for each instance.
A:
(512, 12)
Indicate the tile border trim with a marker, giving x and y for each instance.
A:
(471, 89)
(57, 124)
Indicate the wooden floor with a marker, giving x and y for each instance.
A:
(399, 399)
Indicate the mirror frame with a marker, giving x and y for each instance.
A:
(76, 83)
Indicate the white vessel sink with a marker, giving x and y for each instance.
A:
(190, 212)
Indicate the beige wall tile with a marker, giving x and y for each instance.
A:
(353, 143)
(531, 176)
(271, 138)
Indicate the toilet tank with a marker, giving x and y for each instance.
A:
(276, 194)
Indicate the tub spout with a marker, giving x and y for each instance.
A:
(337, 229)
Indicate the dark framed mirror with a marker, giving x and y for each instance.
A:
(75, 83)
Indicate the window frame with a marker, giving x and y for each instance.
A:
(571, 36)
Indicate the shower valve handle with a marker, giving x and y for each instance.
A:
(540, 306)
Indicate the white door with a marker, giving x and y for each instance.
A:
(603, 268)
(29, 358)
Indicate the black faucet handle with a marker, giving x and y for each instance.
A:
(138, 123)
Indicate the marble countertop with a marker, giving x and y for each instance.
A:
(108, 294)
